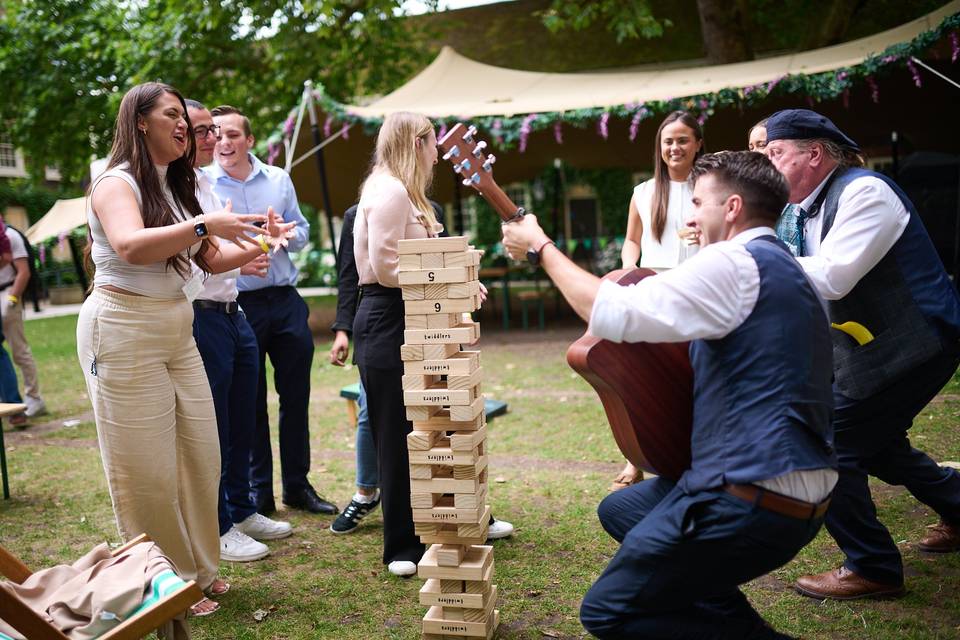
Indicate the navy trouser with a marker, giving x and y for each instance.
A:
(871, 439)
(681, 560)
(278, 316)
(231, 360)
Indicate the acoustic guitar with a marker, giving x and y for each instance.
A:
(646, 388)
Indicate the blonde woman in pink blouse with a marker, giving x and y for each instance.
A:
(393, 207)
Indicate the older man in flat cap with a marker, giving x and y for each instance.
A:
(896, 342)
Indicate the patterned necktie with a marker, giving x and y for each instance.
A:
(790, 228)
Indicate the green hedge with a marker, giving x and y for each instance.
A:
(37, 200)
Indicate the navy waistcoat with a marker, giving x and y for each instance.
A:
(906, 301)
(762, 395)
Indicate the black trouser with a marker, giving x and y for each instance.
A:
(378, 335)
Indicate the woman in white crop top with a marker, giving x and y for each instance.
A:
(155, 418)
(659, 210)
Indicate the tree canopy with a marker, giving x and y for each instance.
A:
(65, 64)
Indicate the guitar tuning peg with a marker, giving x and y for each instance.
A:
(453, 153)
(464, 165)
(478, 150)
(470, 132)
(472, 180)
(489, 163)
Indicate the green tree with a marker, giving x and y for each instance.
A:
(59, 72)
(65, 64)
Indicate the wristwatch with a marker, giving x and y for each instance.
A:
(199, 227)
(533, 255)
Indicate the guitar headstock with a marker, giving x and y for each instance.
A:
(462, 148)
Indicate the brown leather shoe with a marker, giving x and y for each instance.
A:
(843, 584)
(943, 538)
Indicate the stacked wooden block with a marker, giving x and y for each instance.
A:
(447, 448)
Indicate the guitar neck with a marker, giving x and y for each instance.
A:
(466, 153)
(501, 203)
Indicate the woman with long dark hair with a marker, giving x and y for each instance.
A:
(155, 417)
(659, 209)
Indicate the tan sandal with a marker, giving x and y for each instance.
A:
(217, 588)
(630, 475)
(202, 608)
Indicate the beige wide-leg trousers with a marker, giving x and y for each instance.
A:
(155, 423)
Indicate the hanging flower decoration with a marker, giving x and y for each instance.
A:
(273, 151)
(525, 131)
(917, 80)
(514, 131)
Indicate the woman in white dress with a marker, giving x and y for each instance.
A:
(659, 210)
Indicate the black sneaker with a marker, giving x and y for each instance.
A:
(350, 518)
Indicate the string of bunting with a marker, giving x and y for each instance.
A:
(513, 131)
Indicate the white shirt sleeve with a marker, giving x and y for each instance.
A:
(17, 248)
(707, 296)
(870, 219)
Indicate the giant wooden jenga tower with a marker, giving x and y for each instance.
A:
(448, 460)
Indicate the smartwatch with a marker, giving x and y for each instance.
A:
(199, 227)
(533, 255)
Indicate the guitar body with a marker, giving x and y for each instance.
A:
(646, 390)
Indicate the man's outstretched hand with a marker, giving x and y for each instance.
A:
(277, 231)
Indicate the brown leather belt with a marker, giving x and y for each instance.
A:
(778, 503)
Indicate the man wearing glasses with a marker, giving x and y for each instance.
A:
(231, 357)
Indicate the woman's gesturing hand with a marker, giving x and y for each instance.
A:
(277, 231)
(233, 226)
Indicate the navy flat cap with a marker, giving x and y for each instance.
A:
(804, 124)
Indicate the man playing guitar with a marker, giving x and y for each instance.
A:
(762, 460)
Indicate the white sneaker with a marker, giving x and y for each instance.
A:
(260, 527)
(35, 408)
(236, 546)
(499, 529)
(402, 568)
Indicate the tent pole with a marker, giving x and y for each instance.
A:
(458, 204)
(322, 170)
(557, 188)
(75, 253)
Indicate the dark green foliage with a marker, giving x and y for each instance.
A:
(35, 199)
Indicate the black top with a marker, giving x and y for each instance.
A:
(347, 276)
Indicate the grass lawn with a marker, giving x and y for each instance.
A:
(552, 457)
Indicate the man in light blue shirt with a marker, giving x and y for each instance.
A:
(277, 314)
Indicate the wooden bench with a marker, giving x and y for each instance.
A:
(351, 393)
(7, 409)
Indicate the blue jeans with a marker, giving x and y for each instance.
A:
(366, 451)
(9, 391)
(231, 359)
(681, 560)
